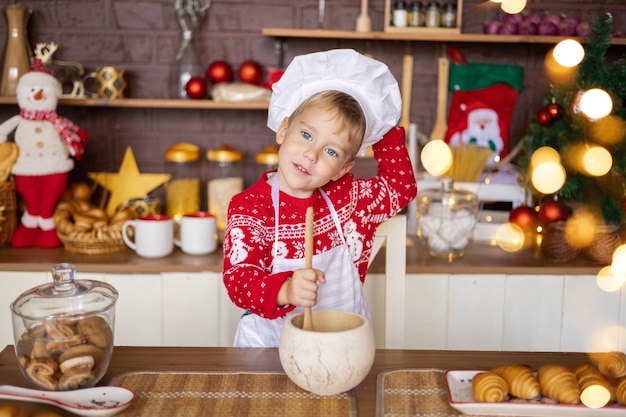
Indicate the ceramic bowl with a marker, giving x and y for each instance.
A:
(331, 359)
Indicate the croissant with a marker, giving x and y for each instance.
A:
(611, 364)
(620, 391)
(559, 383)
(489, 387)
(595, 389)
(520, 379)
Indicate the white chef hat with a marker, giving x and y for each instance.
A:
(369, 81)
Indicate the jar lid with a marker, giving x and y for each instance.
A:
(183, 152)
(269, 156)
(224, 153)
(65, 296)
(448, 194)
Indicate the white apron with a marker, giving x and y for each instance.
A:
(343, 289)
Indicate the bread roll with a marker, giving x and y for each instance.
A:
(610, 364)
(595, 390)
(587, 376)
(12, 410)
(559, 383)
(489, 387)
(520, 379)
(620, 391)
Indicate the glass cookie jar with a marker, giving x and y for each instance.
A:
(63, 331)
(226, 174)
(183, 188)
(446, 219)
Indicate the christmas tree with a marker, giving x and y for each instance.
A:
(562, 126)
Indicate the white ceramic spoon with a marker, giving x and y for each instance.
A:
(88, 402)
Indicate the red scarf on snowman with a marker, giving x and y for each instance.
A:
(73, 135)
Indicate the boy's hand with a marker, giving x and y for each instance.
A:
(301, 289)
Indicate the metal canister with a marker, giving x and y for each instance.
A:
(226, 176)
(183, 189)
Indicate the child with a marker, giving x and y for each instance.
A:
(327, 108)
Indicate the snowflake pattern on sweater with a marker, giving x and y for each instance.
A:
(361, 205)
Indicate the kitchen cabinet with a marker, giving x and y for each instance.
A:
(445, 311)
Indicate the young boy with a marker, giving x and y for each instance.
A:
(327, 108)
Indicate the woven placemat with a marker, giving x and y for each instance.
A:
(208, 394)
(413, 393)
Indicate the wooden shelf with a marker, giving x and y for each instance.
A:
(414, 35)
(155, 103)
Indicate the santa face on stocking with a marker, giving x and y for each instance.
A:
(483, 130)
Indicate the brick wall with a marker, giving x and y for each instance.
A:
(143, 36)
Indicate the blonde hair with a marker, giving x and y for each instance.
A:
(350, 115)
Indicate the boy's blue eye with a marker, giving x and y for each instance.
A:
(331, 152)
(306, 135)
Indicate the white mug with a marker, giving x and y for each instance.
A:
(153, 235)
(197, 233)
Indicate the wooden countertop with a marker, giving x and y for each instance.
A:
(480, 258)
(182, 359)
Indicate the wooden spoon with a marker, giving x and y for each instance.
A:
(308, 262)
(441, 124)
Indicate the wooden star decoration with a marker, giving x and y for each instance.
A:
(128, 183)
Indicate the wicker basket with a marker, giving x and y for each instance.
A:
(554, 246)
(92, 245)
(8, 216)
(605, 241)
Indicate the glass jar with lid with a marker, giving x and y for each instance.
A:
(417, 17)
(433, 15)
(447, 219)
(226, 174)
(266, 160)
(448, 15)
(63, 331)
(399, 14)
(183, 189)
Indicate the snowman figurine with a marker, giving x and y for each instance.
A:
(47, 142)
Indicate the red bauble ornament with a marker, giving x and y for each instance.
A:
(250, 72)
(197, 88)
(543, 118)
(525, 217)
(554, 110)
(219, 72)
(553, 211)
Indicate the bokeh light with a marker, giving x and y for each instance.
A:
(548, 177)
(436, 157)
(609, 130)
(607, 281)
(568, 53)
(558, 74)
(513, 6)
(596, 103)
(618, 262)
(602, 336)
(597, 161)
(595, 396)
(581, 227)
(510, 237)
(544, 154)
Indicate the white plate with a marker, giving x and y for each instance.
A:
(459, 384)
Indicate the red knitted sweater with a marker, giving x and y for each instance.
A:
(361, 204)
